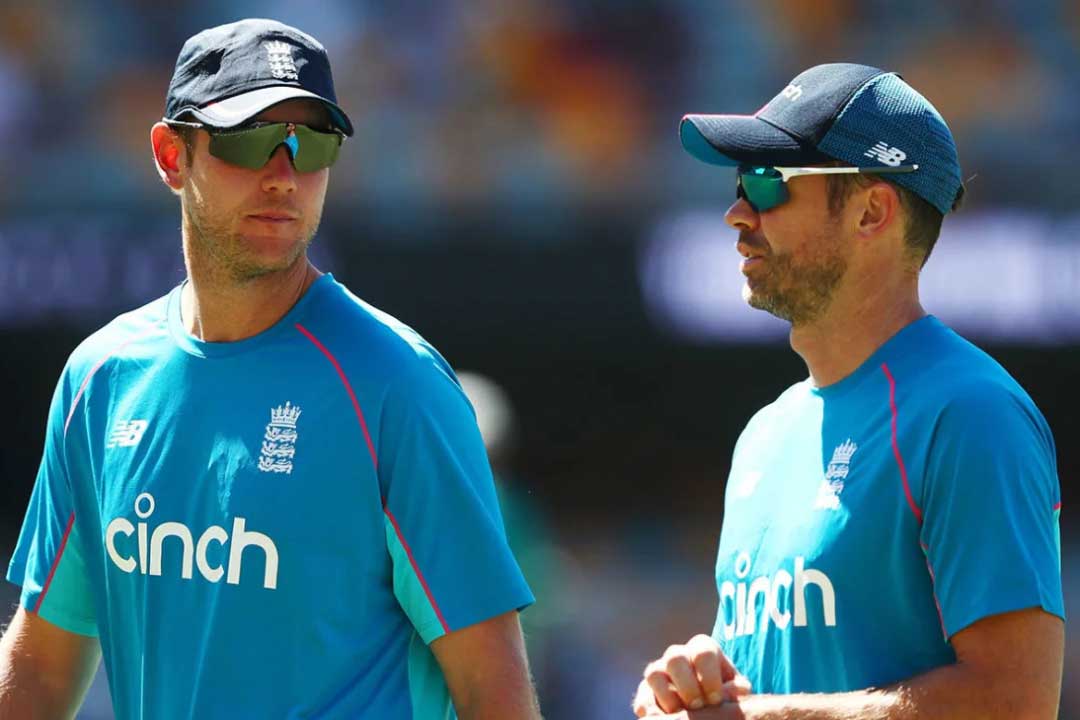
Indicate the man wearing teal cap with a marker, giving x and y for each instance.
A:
(890, 543)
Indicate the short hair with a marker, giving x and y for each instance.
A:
(923, 223)
(187, 135)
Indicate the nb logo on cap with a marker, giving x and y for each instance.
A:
(887, 155)
(792, 92)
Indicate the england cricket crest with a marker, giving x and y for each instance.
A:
(279, 441)
(828, 497)
(282, 65)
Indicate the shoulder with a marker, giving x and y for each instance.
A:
(946, 374)
(773, 413)
(368, 342)
(128, 336)
(969, 399)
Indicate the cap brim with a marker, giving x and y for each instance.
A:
(238, 109)
(732, 140)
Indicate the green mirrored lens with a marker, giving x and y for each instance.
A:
(249, 148)
(317, 150)
(252, 147)
(763, 187)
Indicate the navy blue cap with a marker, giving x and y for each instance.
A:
(228, 74)
(857, 114)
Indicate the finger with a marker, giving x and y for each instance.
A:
(645, 701)
(662, 688)
(704, 643)
(681, 672)
(706, 657)
(737, 688)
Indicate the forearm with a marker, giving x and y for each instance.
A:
(954, 691)
(500, 702)
(43, 678)
(487, 670)
(25, 693)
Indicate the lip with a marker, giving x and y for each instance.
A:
(274, 216)
(750, 262)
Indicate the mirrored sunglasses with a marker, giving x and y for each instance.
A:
(766, 187)
(252, 145)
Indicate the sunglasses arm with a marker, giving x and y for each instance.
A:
(787, 173)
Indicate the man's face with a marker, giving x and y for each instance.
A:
(794, 254)
(249, 223)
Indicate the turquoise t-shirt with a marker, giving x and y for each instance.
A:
(276, 527)
(867, 522)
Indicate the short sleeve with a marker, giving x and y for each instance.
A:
(48, 563)
(452, 564)
(990, 510)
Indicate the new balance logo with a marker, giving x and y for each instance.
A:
(886, 155)
(127, 433)
(747, 483)
(282, 66)
(792, 92)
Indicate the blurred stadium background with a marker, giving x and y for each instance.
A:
(517, 193)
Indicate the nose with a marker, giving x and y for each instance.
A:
(741, 216)
(279, 175)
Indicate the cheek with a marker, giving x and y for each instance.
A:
(314, 185)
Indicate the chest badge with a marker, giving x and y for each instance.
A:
(828, 497)
(279, 441)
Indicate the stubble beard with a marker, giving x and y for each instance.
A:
(219, 251)
(798, 292)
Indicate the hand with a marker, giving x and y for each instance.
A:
(689, 677)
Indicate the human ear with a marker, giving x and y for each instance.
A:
(880, 204)
(170, 155)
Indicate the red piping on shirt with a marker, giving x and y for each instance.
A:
(896, 445)
(375, 461)
(933, 590)
(56, 562)
(93, 370)
(416, 569)
(348, 389)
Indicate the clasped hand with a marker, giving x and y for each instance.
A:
(689, 677)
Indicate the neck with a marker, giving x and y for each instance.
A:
(217, 311)
(860, 320)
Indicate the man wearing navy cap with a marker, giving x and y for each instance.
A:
(261, 497)
(890, 544)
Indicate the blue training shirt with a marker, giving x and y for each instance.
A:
(868, 521)
(275, 527)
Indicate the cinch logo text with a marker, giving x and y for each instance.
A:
(150, 551)
(740, 604)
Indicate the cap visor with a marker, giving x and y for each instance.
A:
(732, 140)
(238, 109)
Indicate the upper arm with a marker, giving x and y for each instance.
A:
(452, 565)
(487, 670)
(48, 562)
(1020, 654)
(991, 501)
(44, 667)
